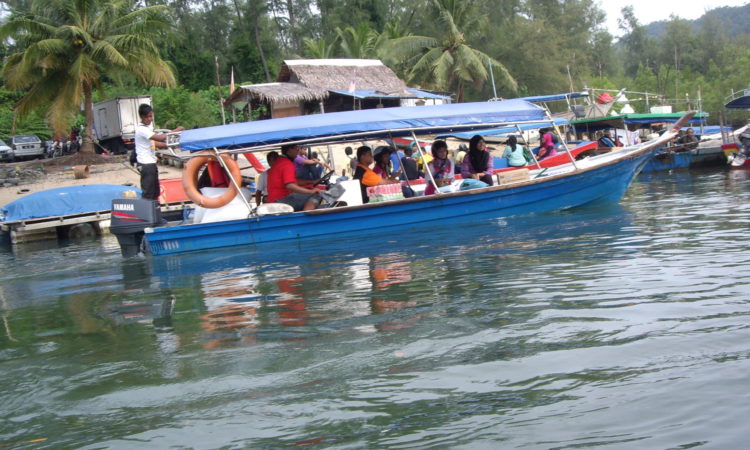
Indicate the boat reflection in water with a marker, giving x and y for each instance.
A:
(286, 292)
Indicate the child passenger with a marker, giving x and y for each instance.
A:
(441, 167)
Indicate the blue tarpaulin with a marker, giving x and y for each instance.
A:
(711, 129)
(369, 124)
(64, 201)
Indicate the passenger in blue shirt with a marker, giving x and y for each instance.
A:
(396, 160)
(607, 141)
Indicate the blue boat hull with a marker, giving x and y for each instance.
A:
(606, 183)
(668, 161)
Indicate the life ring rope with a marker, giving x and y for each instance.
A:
(190, 180)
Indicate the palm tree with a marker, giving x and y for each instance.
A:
(320, 48)
(446, 62)
(357, 42)
(70, 46)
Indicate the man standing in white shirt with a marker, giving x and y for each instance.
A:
(145, 155)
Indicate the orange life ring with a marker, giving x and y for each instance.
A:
(190, 181)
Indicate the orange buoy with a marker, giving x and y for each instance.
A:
(190, 181)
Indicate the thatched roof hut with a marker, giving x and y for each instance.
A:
(273, 92)
(323, 75)
(306, 86)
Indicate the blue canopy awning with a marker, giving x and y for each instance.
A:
(631, 120)
(503, 131)
(369, 124)
(418, 93)
(739, 103)
(367, 93)
(554, 97)
(375, 94)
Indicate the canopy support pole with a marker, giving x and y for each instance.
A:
(426, 168)
(234, 182)
(536, 161)
(401, 167)
(564, 141)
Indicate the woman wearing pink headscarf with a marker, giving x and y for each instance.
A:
(546, 145)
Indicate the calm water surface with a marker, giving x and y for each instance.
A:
(622, 327)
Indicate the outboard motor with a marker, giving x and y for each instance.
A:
(129, 217)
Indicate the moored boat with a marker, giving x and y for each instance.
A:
(601, 178)
(736, 145)
(627, 126)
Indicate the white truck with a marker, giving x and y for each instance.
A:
(115, 121)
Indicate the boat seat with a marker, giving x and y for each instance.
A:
(268, 209)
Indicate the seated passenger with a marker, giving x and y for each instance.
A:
(365, 175)
(423, 158)
(282, 183)
(606, 140)
(441, 167)
(261, 183)
(352, 161)
(477, 163)
(308, 170)
(409, 166)
(689, 140)
(518, 155)
(382, 157)
(460, 155)
(546, 145)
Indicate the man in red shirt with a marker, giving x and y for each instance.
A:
(282, 183)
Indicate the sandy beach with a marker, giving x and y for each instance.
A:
(52, 175)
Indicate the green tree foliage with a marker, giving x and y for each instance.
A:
(320, 48)
(534, 47)
(69, 47)
(638, 46)
(445, 60)
(179, 106)
(357, 42)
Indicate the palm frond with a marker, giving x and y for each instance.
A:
(443, 69)
(105, 52)
(27, 26)
(408, 46)
(471, 66)
(423, 69)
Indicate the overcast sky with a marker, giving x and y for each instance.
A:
(648, 11)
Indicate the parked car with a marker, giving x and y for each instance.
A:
(6, 153)
(26, 146)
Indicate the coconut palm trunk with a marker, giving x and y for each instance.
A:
(87, 141)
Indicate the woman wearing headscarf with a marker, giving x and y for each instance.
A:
(546, 145)
(441, 167)
(517, 155)
(477, 163)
